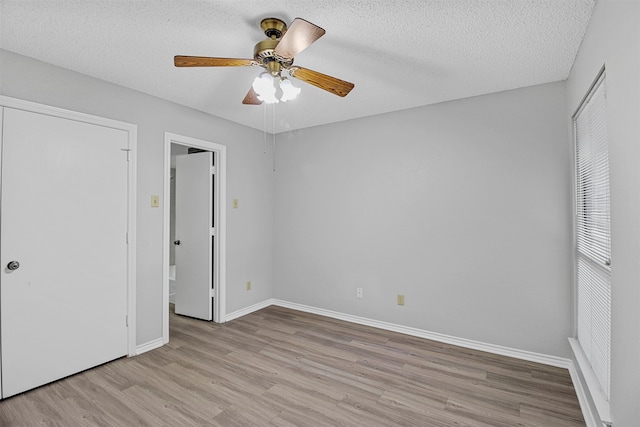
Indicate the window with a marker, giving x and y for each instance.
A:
(593, 234)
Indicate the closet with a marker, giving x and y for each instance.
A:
(66, 282)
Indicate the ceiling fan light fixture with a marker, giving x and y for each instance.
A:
(264, 87)
(289, 91)
(266, 90)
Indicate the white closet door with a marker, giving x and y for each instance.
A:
(64, 220)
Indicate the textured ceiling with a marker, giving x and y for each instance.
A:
(400, 54)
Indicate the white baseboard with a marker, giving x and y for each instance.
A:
(461, 342)
(447, 339)
(588, 389)
(148, 346)
(590, 419)
(248, 310)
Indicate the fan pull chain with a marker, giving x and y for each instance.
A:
(264, 128)
(274, 137)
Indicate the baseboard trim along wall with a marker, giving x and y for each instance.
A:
(148, 346)
(249, 310)
(589, 386)
(590, 418)
(447, 339)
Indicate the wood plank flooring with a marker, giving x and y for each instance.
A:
(280, 367)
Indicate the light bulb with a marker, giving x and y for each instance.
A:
(264, 87)
(289, 91)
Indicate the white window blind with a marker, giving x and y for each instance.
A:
(593, 233)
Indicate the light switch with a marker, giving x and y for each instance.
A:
(155, 201)
(235, 203)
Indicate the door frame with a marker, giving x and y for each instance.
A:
(132, 136)
(219, 307)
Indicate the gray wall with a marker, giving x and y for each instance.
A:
(613, 39)
(249, 178)
(463, 207)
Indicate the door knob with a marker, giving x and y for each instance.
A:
(176, 242)
(13, 265)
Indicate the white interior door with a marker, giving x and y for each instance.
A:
(64, 220)
(195, 235)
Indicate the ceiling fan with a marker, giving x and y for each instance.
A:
(275, 54)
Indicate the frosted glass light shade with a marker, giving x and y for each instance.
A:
(264, 87)
(289, 91)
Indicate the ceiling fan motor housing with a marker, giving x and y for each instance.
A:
(264, 55)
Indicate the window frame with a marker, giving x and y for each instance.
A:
(599, 396)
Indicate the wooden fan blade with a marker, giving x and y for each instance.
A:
(205, 61)
(328, 83)
(298, 37)
(251, 98)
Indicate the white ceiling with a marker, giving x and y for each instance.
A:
(400, 54)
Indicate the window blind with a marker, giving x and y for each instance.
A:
(593, 233)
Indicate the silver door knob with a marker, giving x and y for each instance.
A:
(13, 265)
(176, 242)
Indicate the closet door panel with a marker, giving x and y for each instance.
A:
(63, 250)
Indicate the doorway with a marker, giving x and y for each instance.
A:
(179, 144)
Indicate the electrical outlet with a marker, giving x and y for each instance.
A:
(359, 293)
(249, 285)
(400, 299)
(155, 201)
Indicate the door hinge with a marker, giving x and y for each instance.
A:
(126, 320)
(212, 293)
(127, 150)
(126, 237)
(213, 170)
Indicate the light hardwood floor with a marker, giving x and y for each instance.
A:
(280, 367)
